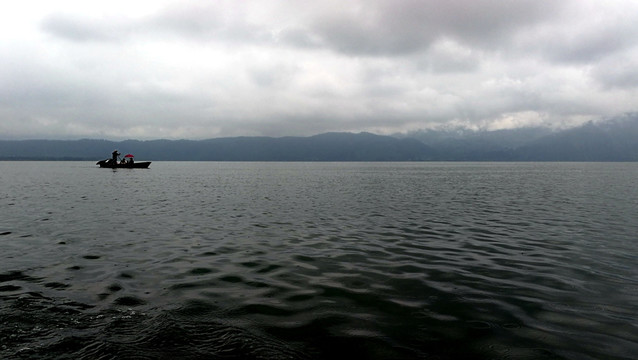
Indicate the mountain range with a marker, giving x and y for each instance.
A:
(614, 139)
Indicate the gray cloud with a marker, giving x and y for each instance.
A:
(206, 21)
(197, 69)
(193, 20)
(74, 28)
(582, 44)
(618, 73)
(299, 36)
(390, 28)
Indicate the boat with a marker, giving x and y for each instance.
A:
(108, 163)
(127, 163)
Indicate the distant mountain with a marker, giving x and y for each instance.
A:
(470, 145)
(614, 140)
(611, 140)
(323, 147)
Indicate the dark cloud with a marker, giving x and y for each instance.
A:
(389, 27)
(587, 45)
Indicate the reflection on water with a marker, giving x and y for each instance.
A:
(316, 260)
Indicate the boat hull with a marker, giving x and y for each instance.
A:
(137, 165)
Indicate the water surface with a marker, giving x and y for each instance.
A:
(316, 260)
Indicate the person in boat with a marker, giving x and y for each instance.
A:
(115, 155)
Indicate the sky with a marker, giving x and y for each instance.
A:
(197, 69)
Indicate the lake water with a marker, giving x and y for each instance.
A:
(319, 260)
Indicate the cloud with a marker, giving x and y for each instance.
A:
(618, 73)
(585, 32)
(199, 69)
(192, 20)
(74, 28)
(389, 28)
(448, 56)
(210, 22)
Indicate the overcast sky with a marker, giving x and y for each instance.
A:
(198, 69)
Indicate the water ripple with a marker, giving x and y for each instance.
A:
(295, 261)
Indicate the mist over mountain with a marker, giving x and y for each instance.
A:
(609, 140)
(614, 139)
(469, 145)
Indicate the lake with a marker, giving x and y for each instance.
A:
(199, 260)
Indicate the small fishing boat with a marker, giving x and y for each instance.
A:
(126, 163)
(108, 163)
